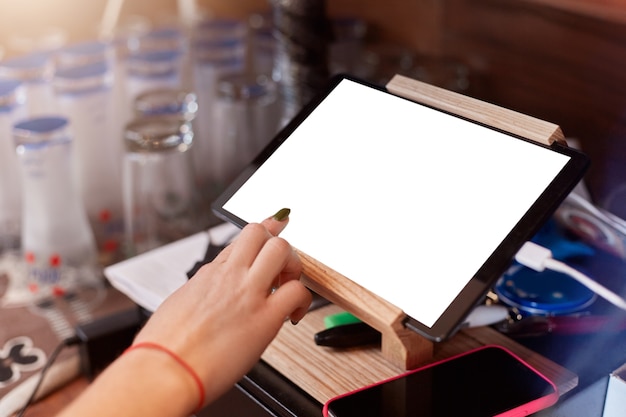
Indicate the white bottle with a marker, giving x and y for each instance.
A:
(86, 98)
(35, 70)
(56, 236)
(11, 109)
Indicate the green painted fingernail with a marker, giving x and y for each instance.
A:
(281, 214)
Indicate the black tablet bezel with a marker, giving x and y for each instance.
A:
(478, 286)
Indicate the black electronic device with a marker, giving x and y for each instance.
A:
(485, 382)
(421, 207)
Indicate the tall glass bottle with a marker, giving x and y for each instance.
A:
(86, 98)
(79, 54)
(35, 70)
(156, 59)
(11, 109)
(57, 242)
(247, 116)
(218, 48)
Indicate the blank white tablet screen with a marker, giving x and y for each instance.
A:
(404, 200)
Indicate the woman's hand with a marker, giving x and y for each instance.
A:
(214, 328)
(221, 321)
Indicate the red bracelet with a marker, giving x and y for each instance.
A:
(189, 369)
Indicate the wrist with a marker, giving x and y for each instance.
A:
(143, 382)
(170, 371)
(180, 362)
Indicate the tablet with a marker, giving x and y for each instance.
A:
(423, 208)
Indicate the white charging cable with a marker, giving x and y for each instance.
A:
(538, 258)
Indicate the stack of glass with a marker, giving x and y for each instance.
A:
(161, 197)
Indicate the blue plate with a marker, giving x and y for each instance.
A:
(543, 293)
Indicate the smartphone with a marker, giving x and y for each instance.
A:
(484, 382)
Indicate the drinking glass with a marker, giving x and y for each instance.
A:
(160, 197)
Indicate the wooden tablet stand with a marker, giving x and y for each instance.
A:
(405, 348)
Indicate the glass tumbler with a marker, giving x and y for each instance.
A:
(160, 198)
(166, 102)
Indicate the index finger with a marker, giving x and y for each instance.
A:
(274, 225)
(277, 223)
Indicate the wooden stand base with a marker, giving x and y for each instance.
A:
(401, 346)
(326, 372)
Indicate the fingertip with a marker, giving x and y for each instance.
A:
(277, 222)
(282, 214)
(295, 299)
(299, 313)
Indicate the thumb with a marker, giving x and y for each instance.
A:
(293, 299)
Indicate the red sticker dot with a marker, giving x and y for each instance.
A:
(105, 216)
(110, 245)
(58, 291)
(29, 257)
(55, 260)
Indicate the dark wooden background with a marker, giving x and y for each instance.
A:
(558, 65)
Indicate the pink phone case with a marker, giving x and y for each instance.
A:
(519, 411)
